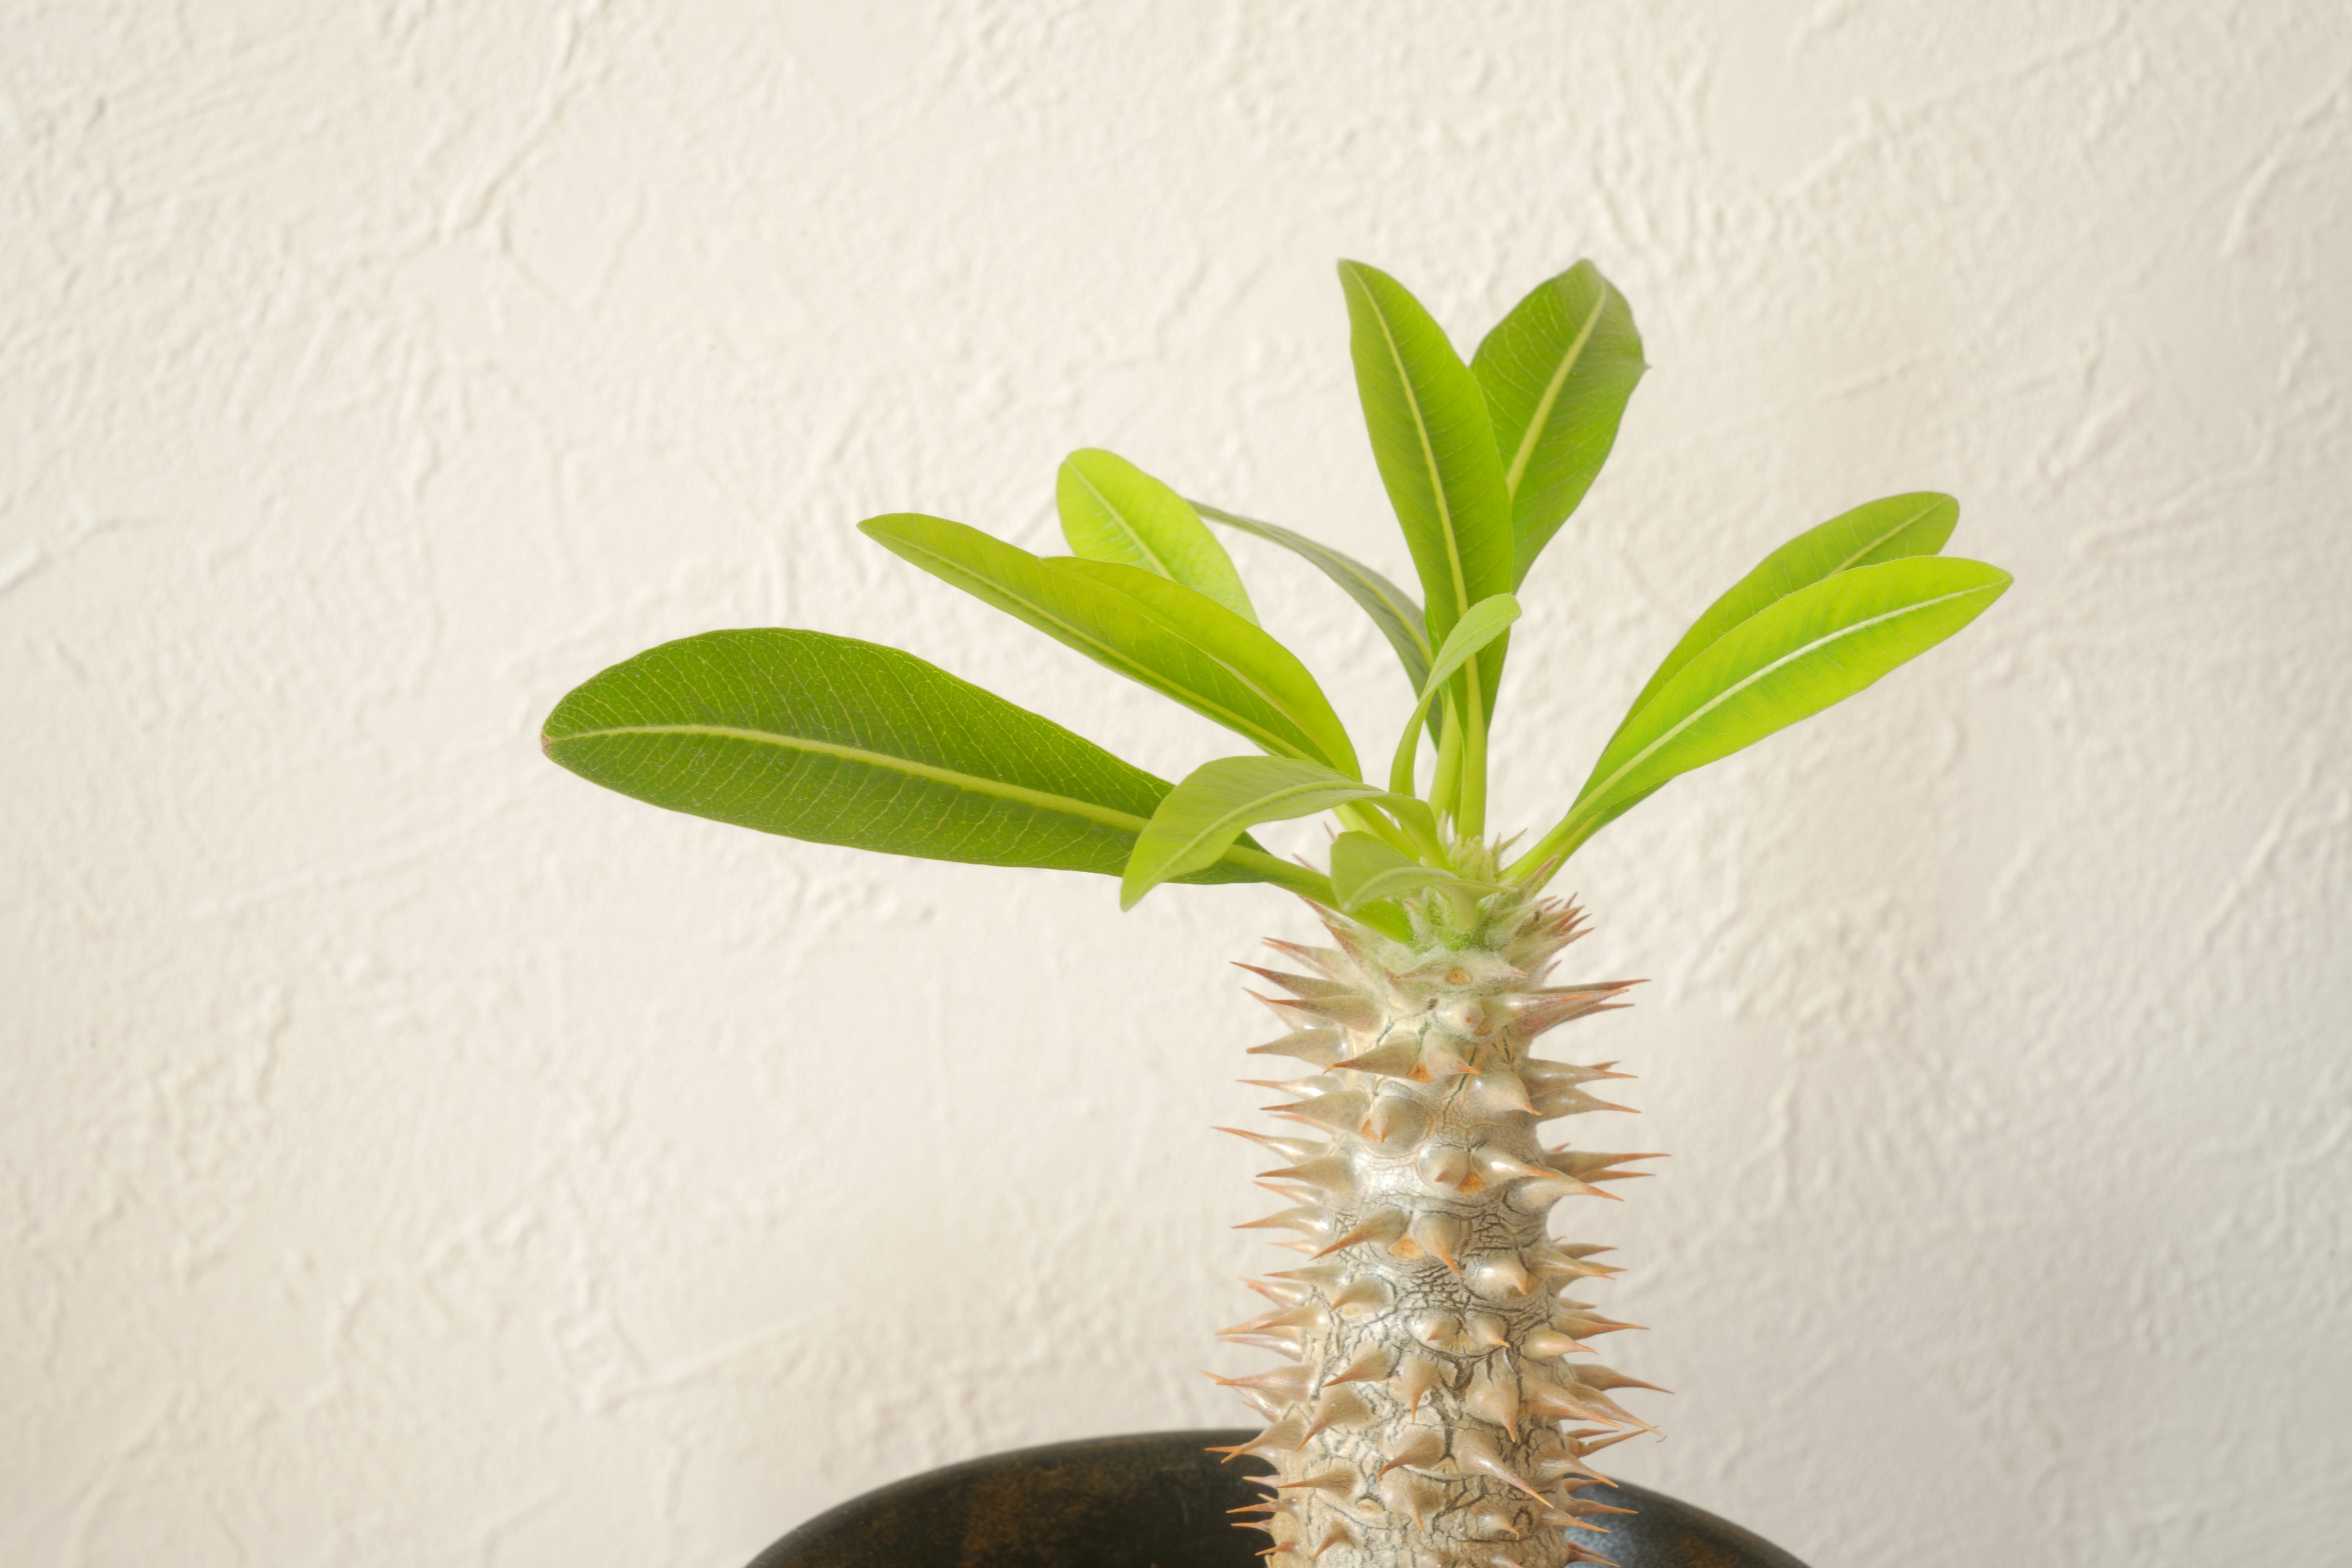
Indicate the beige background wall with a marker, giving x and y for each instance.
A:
(410, 1154)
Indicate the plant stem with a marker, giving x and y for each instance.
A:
(1565, 838)
(1286, 873)
(1471, 816)
(1446, 780)
(1454, 1364)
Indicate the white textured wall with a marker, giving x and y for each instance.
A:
(411, 1154)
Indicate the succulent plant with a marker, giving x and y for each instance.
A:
(1440, 1402)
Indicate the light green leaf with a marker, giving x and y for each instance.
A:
(840, 741)
(1253, 657)
(1486, 620)
(1199, 654)
(1113, 510)
(1207, 812)
(1436, 448)
(1816, 647)
(1403, 879)
(1557, 374)
(1395, 611)
(1366, 871)
(1357, 856)
(1890, 530)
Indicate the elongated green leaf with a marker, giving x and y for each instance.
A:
(840, 742)
(1403, 879)
(1253, 657)
(1486, 620)
(1818, 645)
(1359, 857)
(1205, 815)
(1216, 664)
(1396, 612)
(1436, 448)
(1891, 529)
(1113, 510)
(1556, 372)
(1366, 871)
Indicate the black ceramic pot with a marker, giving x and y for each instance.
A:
(1155, 1500)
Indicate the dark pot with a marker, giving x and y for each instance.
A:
(1154, 1500)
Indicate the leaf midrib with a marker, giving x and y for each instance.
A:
(1528, 439)
(1428, 458)
(1066, 805)
(1249, 682)
(1601, 790)
(1141, 672)
(1118, 521)
(1670, 667)
(1847, 563)
(1396, 880)
(1218, 824)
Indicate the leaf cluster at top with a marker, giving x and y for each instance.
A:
(843, 741)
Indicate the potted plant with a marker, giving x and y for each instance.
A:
(1438, 1398)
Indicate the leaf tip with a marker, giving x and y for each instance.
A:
(1357, 277)
(1998, 581)
(883, 524)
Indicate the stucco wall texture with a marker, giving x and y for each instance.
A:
(414, 1154)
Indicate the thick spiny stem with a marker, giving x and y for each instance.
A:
(1444, 1407)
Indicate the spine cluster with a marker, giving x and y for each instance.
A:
(1443, 1405)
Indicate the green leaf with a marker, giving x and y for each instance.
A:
(1152, 631)
(1487, 619)
(1816, 647)
(1204, 815)
(1358, 857)
(1403, 879)
(1557, 374)
(1890, 530)
(1366, 871)
(1436, 448)
(1395, 611)
(1113, 510)
(1253, 657)
(840, 741)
